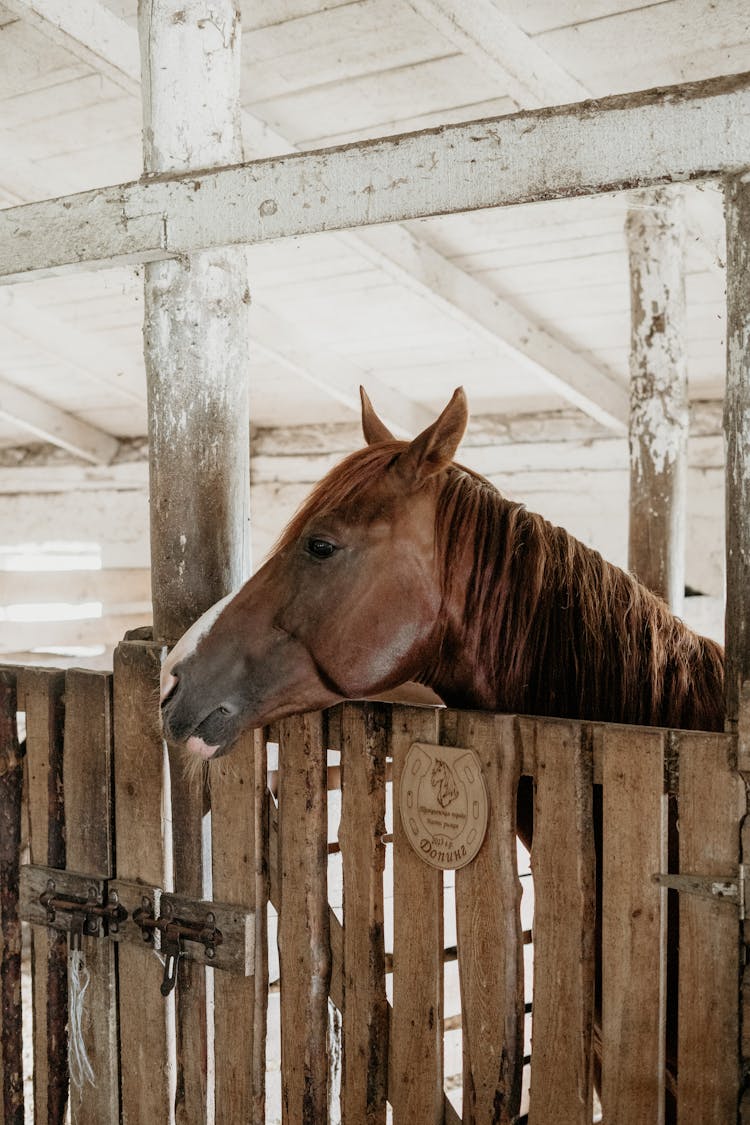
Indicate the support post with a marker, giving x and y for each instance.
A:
(737, 628)
(195, 336)
(737, 437)
(196, 351)
(658, 392)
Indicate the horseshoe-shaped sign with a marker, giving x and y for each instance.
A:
(443, 803)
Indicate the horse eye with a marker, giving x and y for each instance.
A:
(320, 548)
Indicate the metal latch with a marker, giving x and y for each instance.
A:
(717, 888)
(174, 933)
(213, 933)
(68, 901)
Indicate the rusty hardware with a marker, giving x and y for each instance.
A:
(729, 889)
(173, 933)
(87, 914)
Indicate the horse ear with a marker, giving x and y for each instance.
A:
(436, 446)
(373, 429)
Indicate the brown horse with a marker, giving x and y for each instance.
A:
(404, 566)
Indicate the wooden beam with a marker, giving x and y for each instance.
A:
(414, 264)
(54, 425)
(337, 376)
(116, 586)
(23, 636)
(658, 393)
(694, 131)
(101, 360)
(91, 32)
(404, 255)
(195, 325)
(523, 69)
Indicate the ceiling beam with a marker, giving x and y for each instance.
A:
(694, 131)
(482, 31)
(54, 425)
(533, 78)
(279, 340)
(97, 358)
(522, 69)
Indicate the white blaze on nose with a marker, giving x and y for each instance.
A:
(187, 644)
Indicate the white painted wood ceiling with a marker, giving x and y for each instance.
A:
(319, 72)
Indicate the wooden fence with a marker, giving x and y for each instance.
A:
(105, 799)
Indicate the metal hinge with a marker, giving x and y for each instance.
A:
(213, 933)
(717, 888)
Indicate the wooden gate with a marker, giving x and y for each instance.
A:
(105, 800)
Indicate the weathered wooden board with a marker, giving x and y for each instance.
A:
(186, 791)
(712, 803)
(415, 1058)
(737, 435)
(688, 132)
(633, 926)
(88, 777)
(149, 1078)
(11, 790)
(304, 933)
(238, 857)
(365, 731)
(563, 861)
(490, 942)
(658, 392)
(42, 692)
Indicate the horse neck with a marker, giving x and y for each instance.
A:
(535, 622)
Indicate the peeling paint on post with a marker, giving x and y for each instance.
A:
(737, 436)
(195, 334)
(658, 392)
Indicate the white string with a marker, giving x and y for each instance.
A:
(79, 979)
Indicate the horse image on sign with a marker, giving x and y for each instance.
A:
(443, 802)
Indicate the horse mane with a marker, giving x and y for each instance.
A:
(547, 626)
(554, 629)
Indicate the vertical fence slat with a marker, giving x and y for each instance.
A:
(89, 847)
(415, 1058)
(563, 862)
(190, 992)
(43, 693)
(239, 875)
(365, 1006)
(490, 939)
(11, 789)
(304, 938)
(711, 807)
(634, 927)
(139, 831)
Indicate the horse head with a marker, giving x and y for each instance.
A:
(346, 606)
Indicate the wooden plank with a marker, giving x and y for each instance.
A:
(48, 422)
(187, 801)
(42, 691)
(415, 1059)
(633, 926)
(686, 132)
(11, 789)
(239, 868)
(88, 780)
(148, 1077)
(563, 861)
(23, 636)
(712, 804)
(118, 586)
(490, 941)
(658, 392)
(304, 937)
(364, 1076)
